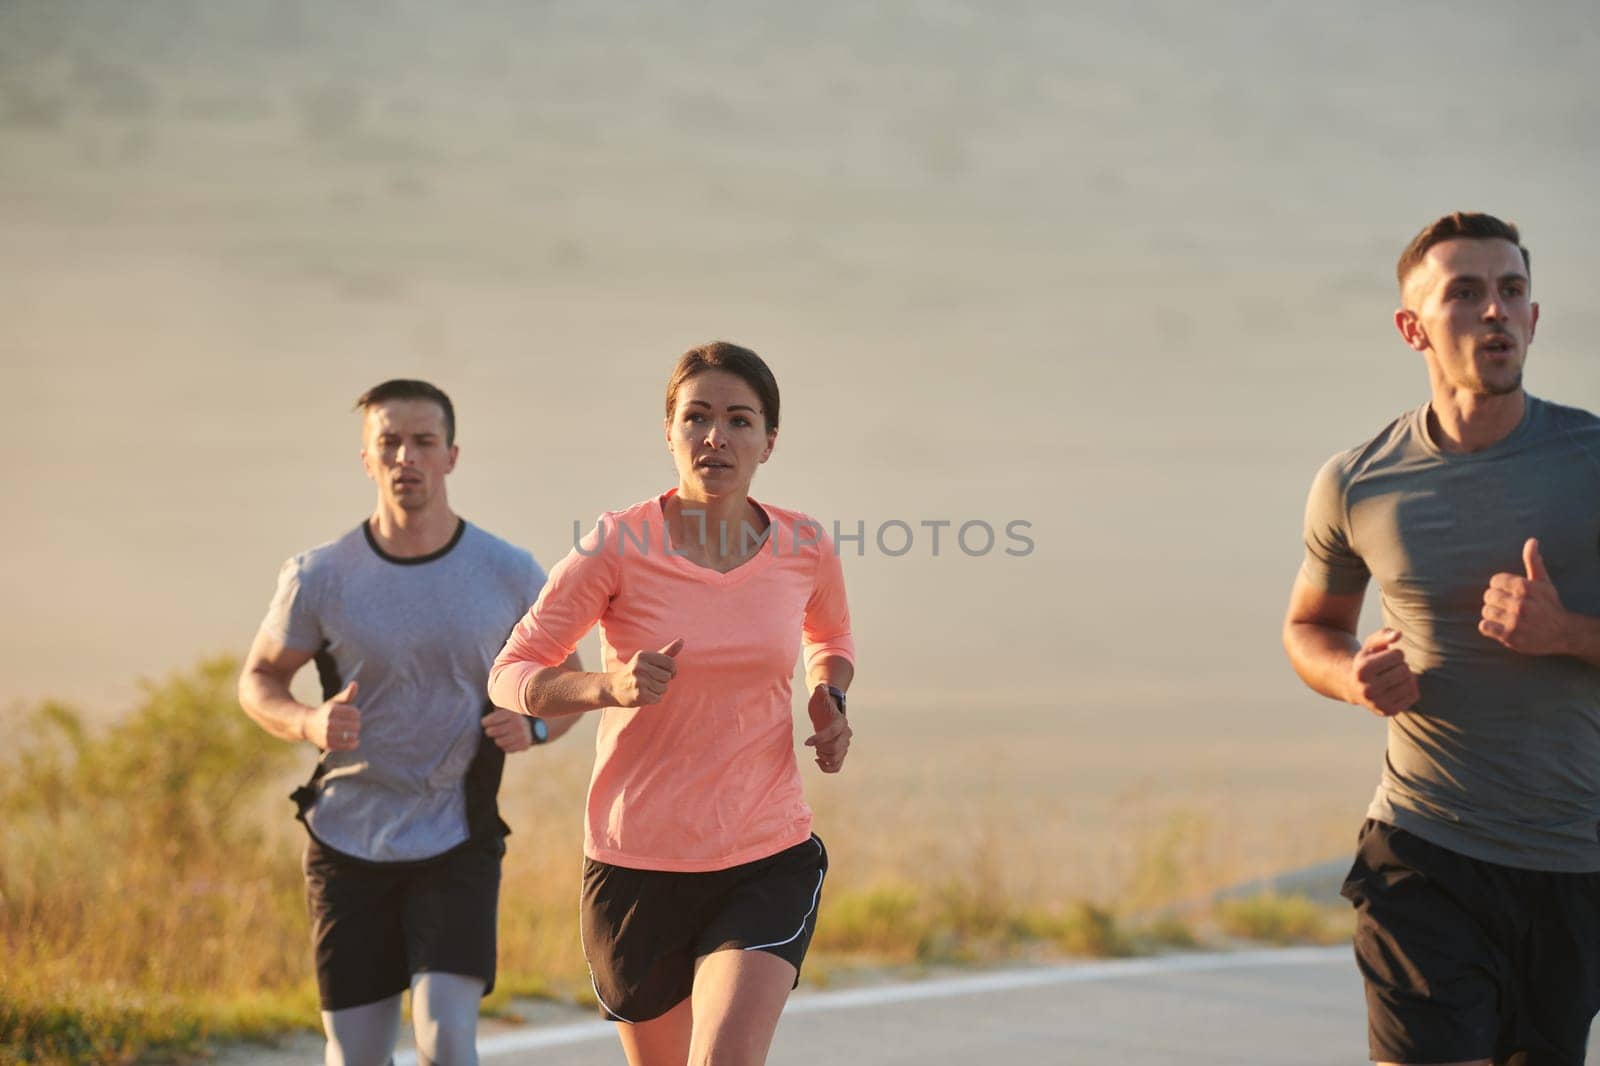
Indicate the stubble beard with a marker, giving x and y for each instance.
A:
(1490, 388)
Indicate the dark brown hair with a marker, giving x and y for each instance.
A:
(740, 362)
(411, 389)
(1456, 225)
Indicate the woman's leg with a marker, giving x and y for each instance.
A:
(661, 1041)
(444, 1014)
(364, 1035)
(738, 996)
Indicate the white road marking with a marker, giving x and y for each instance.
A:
(944, 988)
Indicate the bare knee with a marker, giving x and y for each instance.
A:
(444, 1013)
(446, 1042)
(362, 1036)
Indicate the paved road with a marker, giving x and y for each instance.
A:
(1296, 1007)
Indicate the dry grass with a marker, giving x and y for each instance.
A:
(1290, 919)
(151, 901)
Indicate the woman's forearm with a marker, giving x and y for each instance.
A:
(833, 670)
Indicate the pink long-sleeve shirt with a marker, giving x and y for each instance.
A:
(707, 778)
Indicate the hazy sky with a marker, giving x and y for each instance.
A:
(1122, 272)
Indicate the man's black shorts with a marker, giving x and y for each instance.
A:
(374, 925)
(1465, 959)
(644, 929)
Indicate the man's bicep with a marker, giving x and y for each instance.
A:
(270, 656)
(1311, 604)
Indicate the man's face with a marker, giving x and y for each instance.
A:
(404, 451)
(1467, 308)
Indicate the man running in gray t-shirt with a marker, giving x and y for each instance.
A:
(1477, 877)
(403, 616)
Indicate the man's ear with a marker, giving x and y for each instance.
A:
(1410, 329)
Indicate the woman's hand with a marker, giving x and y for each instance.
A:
(643, 679)
(832, 736)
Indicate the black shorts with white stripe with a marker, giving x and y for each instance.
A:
(644, 929)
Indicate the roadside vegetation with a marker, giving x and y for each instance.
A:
(151, 902)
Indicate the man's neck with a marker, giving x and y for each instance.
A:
(410, 534)
(1464, 422)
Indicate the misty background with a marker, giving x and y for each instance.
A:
(1123, 272)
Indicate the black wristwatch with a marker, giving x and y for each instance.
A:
(540, 729)
(838, 697)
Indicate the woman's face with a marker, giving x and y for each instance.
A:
(717, 435)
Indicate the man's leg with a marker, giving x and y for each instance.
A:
(360, 957)
(364, 1035)
(450, 944)
(444, 1013)
(1432, 941)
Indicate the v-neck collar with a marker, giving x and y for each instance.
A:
(753, 565)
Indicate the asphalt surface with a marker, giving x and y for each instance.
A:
(1293, 1007)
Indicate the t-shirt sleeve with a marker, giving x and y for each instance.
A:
(292, 616)
(568, 605)
(1331, 563)
(825, 627)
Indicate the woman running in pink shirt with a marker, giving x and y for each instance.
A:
(702, 876)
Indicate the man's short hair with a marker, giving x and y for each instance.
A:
(411, 389)
(1458, 224)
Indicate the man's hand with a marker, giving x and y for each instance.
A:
(335, 725)
(510, 731)
(643, 679)
(832, 736)
(1524, 612)
(1380, 680)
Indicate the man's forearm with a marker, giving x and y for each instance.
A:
(1322, 655)
(1583, 637)
(266, 699)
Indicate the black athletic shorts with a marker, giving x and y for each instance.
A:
(1465, 959)
(644, 929)
(374, 925)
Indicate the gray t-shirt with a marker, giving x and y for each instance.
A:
(418, 637)
(1500, 758)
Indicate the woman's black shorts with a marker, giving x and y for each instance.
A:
(644, 929)
(374, 925)
(1466, 959)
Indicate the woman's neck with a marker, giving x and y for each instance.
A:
(717, 530)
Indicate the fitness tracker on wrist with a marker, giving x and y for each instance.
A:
(540, 730)
(838, 697)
